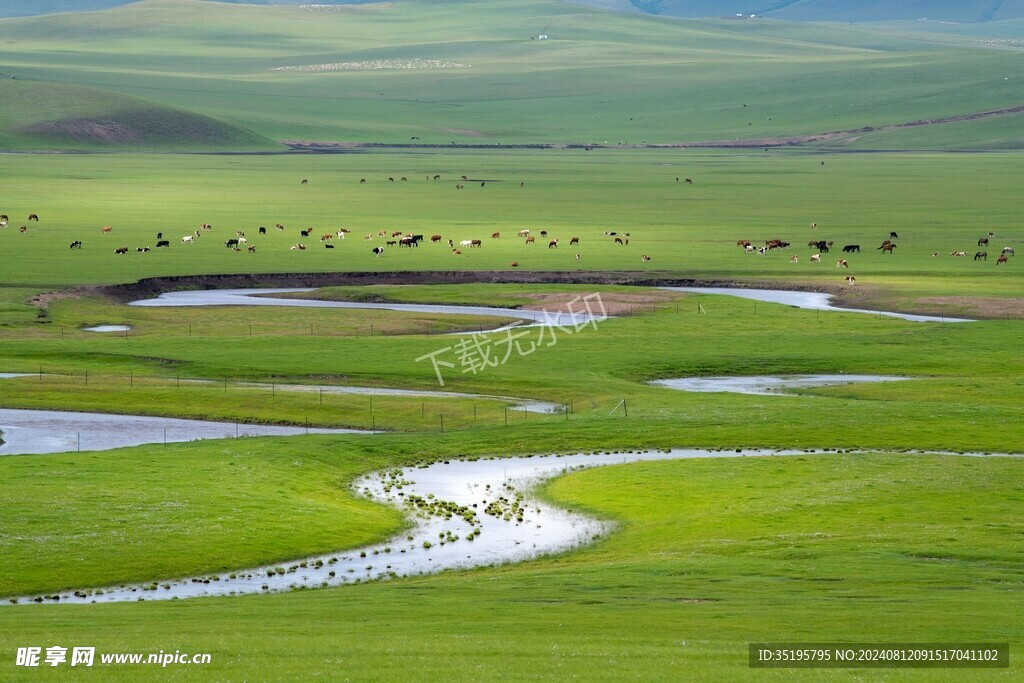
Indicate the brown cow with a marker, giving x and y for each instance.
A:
(106, 229)
(495, 235)
(574, 240)
(435, 238)
(531, 239)
(553, 243)
(1002, 259)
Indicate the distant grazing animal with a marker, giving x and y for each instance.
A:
(279, 226)
(33, 217)
(851, 280)
(574, 240)
(451, 243)
(815, 258)
(523, 233)
(239, 233)
(206, 227)
(341, 233)
(231, 243)
(435, 238)
(465, 178)
(305, 233)
(515, 264)
(981, 256)
(814, 226)
(475, 243)
(887, 248)
(298, 247)
(437, 177)
(553, 243)
(4, 217)
(3, 224)
(688, 181)
(390, 243)
(850, 248)
(465, 243)
(326, 237)
(407, 242)
(304, 181)
(1008, 250)
(391, 180)
(252, 248)
(162, 243)
(362, 181)
(743, 243)
(482, 184)
(263, 230)
(893, 236)
(77, 244)
(159, 235)
(328, 245)
(457, 252)
(983, 242)
(841, 263)
(142, 250)
(1002, 259)
(645, 257)
(23, 229)
(543, 233)
(396, 233)
(378, 251)
(106, 229)
(579, 256)
(121, 250)
(618, 240)
(187, 239)
(749, 248)
(794, 259)
(530, 239)
(404, 179)
(459, 186)
(958, 253)
(495, 235)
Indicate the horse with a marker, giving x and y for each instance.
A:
(981, 256)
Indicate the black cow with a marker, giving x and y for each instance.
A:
(263, 230)
(162, 243)
(850, 248)
(379, 251)
(231, 243)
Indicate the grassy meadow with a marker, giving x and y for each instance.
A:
(163, 115)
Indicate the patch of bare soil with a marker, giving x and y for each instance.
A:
(86, 129)
(978, 306)
(612, 303)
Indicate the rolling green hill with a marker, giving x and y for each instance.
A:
(46, 115)
(473, 72)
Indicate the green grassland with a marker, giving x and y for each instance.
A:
(470, 73)
(868, 541)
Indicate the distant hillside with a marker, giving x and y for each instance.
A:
(29, 8)
(826, 10)
(52, 116)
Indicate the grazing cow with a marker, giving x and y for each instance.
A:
(23, 229)
(749, 248)
(263, 230)
(495, 235)
(121, 250)
(893, 236)
(851, 280)
(553, 243)
(391, 180)
(465, 178)
(4, 217)
(688, 181)
(457, 252)
(475, 243)
(482, 184)
(543, 233)
(459, 186)
(206, 227)
(618, 240)
(77, 244)
(326, 237)
(823, 248)
(981, 256)
(396, 233)
(417, 238)
(815, 258)
(814, 226)
(579, 256)
(743, 244)
(515, 264)
(888, 247)
(530, 240)
(187, 239)
(305, 233)
(251, 248)
(983, 242)
(198, 233)
(465, 243)
(523, 233)
(407, 242)
(451, 244)
(794, 259)
(304, 181)
(841, 263)
(390, 243)
(958, 253)
(159, 235)
(33, 217)
(142, 250)
(362, 181)
(1002, 259)
(574, 240)
(1008, 250)
(850, 248)
(437, 177)
(378, 251)
(3, 224)
(106, 229)
(278, 226)
(404, 179)
(231, 243)
(239, 233)
(162, 243)
(328, 245)
(645, 258)
(341, 233)
(435, 238)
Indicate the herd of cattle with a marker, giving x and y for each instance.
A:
(409, 240)
(888, 246)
